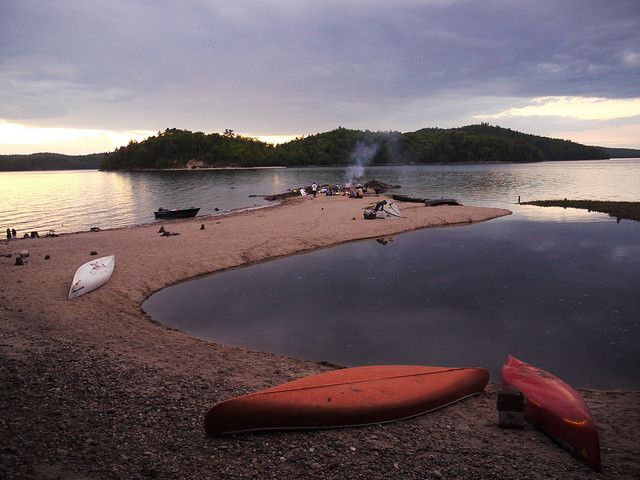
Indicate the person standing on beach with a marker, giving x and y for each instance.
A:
(14, 233)
(8, 234)
(314, 189)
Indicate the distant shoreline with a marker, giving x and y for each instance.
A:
(336, 165)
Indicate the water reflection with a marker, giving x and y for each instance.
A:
(563, 296)
(67, 201)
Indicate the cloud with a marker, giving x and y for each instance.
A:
(584, 108)
(302, 67)
(631, 59)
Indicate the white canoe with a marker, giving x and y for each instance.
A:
(92, 275)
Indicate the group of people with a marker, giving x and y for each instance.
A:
(11, 233)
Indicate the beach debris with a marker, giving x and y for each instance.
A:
(24, 253)
(162, 230)
(202, 227)
(47, 257)
(167, 233)
(384, 240)
(280, 196)
(93, 252)
(510, 408)
(19, 261)
(94, 229)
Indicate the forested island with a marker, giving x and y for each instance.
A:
(180, 149)
(482, 143)
(51, 161)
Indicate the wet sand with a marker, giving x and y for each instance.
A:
(93, 388)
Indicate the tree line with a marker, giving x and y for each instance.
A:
(51, 161)
(176, 148)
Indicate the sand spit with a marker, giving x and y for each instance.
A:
(92, 388)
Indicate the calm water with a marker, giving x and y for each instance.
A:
(562, 295)
(557, 287)
(78, 200)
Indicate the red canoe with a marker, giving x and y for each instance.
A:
(556, 409)
(347, 397)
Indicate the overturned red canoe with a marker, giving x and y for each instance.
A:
(347, 397)
(556, 409)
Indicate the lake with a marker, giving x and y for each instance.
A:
(69, 201)
(557, 287)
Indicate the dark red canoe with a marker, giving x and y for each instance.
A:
(347, 397)
(555, 408)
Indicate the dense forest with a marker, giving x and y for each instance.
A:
(175, 148)
(50, 161)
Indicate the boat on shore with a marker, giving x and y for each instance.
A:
(346, 398)
(429, 202)
(556, 408)
(91, 275)
(441, 201)
(407, 198)
(176, 212)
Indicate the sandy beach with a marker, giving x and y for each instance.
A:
(94, 388)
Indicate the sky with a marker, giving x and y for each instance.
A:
(84, 76)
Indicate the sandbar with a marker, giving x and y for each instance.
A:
(94, 388)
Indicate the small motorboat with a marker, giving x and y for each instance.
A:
(176, 212)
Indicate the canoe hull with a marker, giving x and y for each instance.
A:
(407, 198)
(557, 409)
(347, 397)
(92, 275)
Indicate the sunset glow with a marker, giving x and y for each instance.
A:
(275, 139)
(17, 137)
(583, 108)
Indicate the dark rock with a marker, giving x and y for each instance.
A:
(380, 187)
(93, 253)
(47, 257)
(19, 261)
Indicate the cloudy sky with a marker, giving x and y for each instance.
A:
(80, 76)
